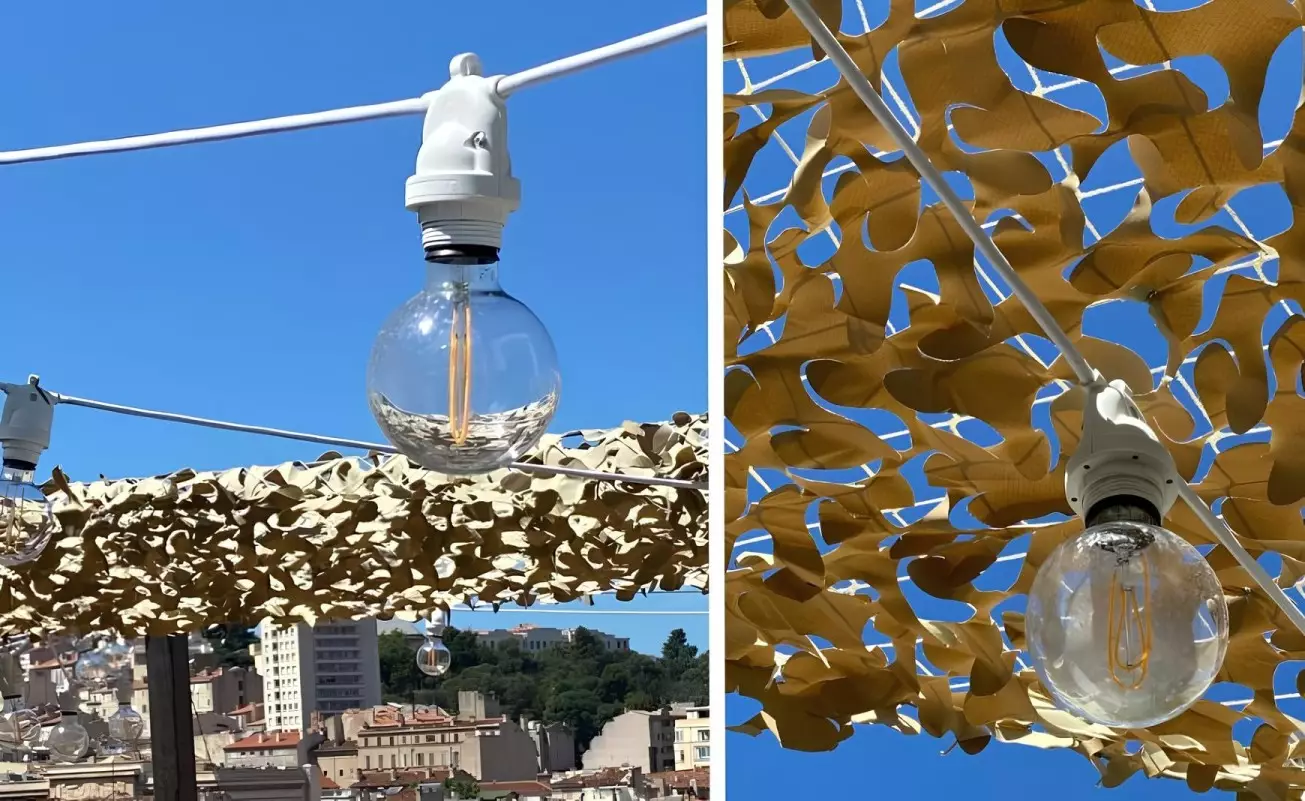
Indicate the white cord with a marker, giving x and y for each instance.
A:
(1073, 357)
(397, 108)
(341, 442)
(629, 47)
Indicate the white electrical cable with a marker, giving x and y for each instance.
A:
(1083, 371)
(509, 83)
(341, 442)
(629, 47)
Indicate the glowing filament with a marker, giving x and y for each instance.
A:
(1129, 629)
(460, 373)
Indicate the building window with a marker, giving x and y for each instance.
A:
(679, 735)
(704, 735)
(702, 753)
(421, 759)
(367, 762)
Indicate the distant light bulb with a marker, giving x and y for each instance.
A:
(26, 519)
(434, 657)
(1127, 625)
(126, 727)
(20, 727)
(463, 378)
(68, 741)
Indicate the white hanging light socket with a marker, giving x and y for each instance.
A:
(463, 189)
(25, 422)
(1119, 460)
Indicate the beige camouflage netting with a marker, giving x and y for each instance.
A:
(347, 537)
(954, 358)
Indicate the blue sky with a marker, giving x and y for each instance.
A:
(759, 765)
(246, 280)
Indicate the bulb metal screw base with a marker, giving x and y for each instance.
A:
(1119, 460)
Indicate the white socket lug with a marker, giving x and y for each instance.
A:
(463, 189)
(1119, 454)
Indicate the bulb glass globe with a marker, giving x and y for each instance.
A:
(463, 378)
(26, 520)
(433, 657)
(1127, 625)
(126, 725)
(20, 727)
(68, 741)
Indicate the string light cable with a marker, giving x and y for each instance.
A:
(31, 413)
(504, 85)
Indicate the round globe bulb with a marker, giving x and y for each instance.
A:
(433, 657)
(1127, 625)
(126, 725)
(20, 727)
(26, 519)
(463, 378)
(68, 741)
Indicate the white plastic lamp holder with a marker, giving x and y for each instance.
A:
(437, 623)
(25, 422)
(1119, 458)
(463, 189)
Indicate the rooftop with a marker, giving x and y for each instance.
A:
(266, 741)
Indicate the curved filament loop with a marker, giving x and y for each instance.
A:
(1129, 630)
(460, 373)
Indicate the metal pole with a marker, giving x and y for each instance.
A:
(172, 741)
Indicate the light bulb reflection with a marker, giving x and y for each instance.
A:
(20, 727)
(26, 520)
(68, 741)
(1127, 625)
(463, 378)
(125, 728)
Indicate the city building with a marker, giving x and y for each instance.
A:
(478, 740)
(327, 668)
(645, 740)
(278, 749)
(693, 739)
(539, 638)
(554, 743)
(224, 690)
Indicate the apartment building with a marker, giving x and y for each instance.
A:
(645, 740)
(279, 749)
(477, 741)
(222, 691)
(327, 668)
(539, 638)
(693, 739)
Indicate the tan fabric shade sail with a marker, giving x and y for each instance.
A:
(348, 537)
(799, 616)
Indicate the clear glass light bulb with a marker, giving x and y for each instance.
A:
(20, 727)
(463, 378)
(125, 729)
(434, 657)
(68, 741)
(1127, 625)
(26, 520)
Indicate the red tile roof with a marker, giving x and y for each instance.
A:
(266, 741)
(605, 777)
(329, 784)
(683, 779)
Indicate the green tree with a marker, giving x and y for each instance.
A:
(462, 786)
(399, 672)
(231, 642)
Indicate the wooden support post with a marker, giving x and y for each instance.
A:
(172, 741)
